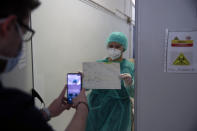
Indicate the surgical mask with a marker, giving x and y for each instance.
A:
(114, 53)
(13, 61)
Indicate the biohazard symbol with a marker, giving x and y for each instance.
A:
(181, 60)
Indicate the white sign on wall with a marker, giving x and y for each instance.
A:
(181, 52)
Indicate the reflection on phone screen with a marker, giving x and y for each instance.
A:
(74, 86)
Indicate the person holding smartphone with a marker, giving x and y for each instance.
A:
(17, 110)
(110, 109)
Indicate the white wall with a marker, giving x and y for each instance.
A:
(69, 32)
(165, 101)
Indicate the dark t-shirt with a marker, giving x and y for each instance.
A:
(18, 113)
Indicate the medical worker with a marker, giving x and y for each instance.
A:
(110, 109)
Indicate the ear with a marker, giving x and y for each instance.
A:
(8, 24)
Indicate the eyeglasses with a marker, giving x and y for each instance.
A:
(28, 33)
(27, 36)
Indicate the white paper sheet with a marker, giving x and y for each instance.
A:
(101, 75)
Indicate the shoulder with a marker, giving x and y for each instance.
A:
(14, 101)
(18, 108)
(128, 64)
(16, 95)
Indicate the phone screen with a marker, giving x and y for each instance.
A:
(73, 85)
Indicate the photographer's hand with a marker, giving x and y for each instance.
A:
(59, 104)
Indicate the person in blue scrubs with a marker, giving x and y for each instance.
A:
(110, 109)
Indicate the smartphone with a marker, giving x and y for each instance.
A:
(74, 85)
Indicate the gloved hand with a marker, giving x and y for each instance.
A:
(127, 78)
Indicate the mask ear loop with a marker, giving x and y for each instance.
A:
(19, 31)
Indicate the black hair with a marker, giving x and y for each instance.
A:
(20, 8)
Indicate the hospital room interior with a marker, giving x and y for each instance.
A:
(159, 44)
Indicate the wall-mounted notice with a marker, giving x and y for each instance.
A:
(181, 52)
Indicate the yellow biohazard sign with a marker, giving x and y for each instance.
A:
(181, 60)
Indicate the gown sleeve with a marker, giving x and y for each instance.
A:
(128, 67)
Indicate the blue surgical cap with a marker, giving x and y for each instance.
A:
(118, 37)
